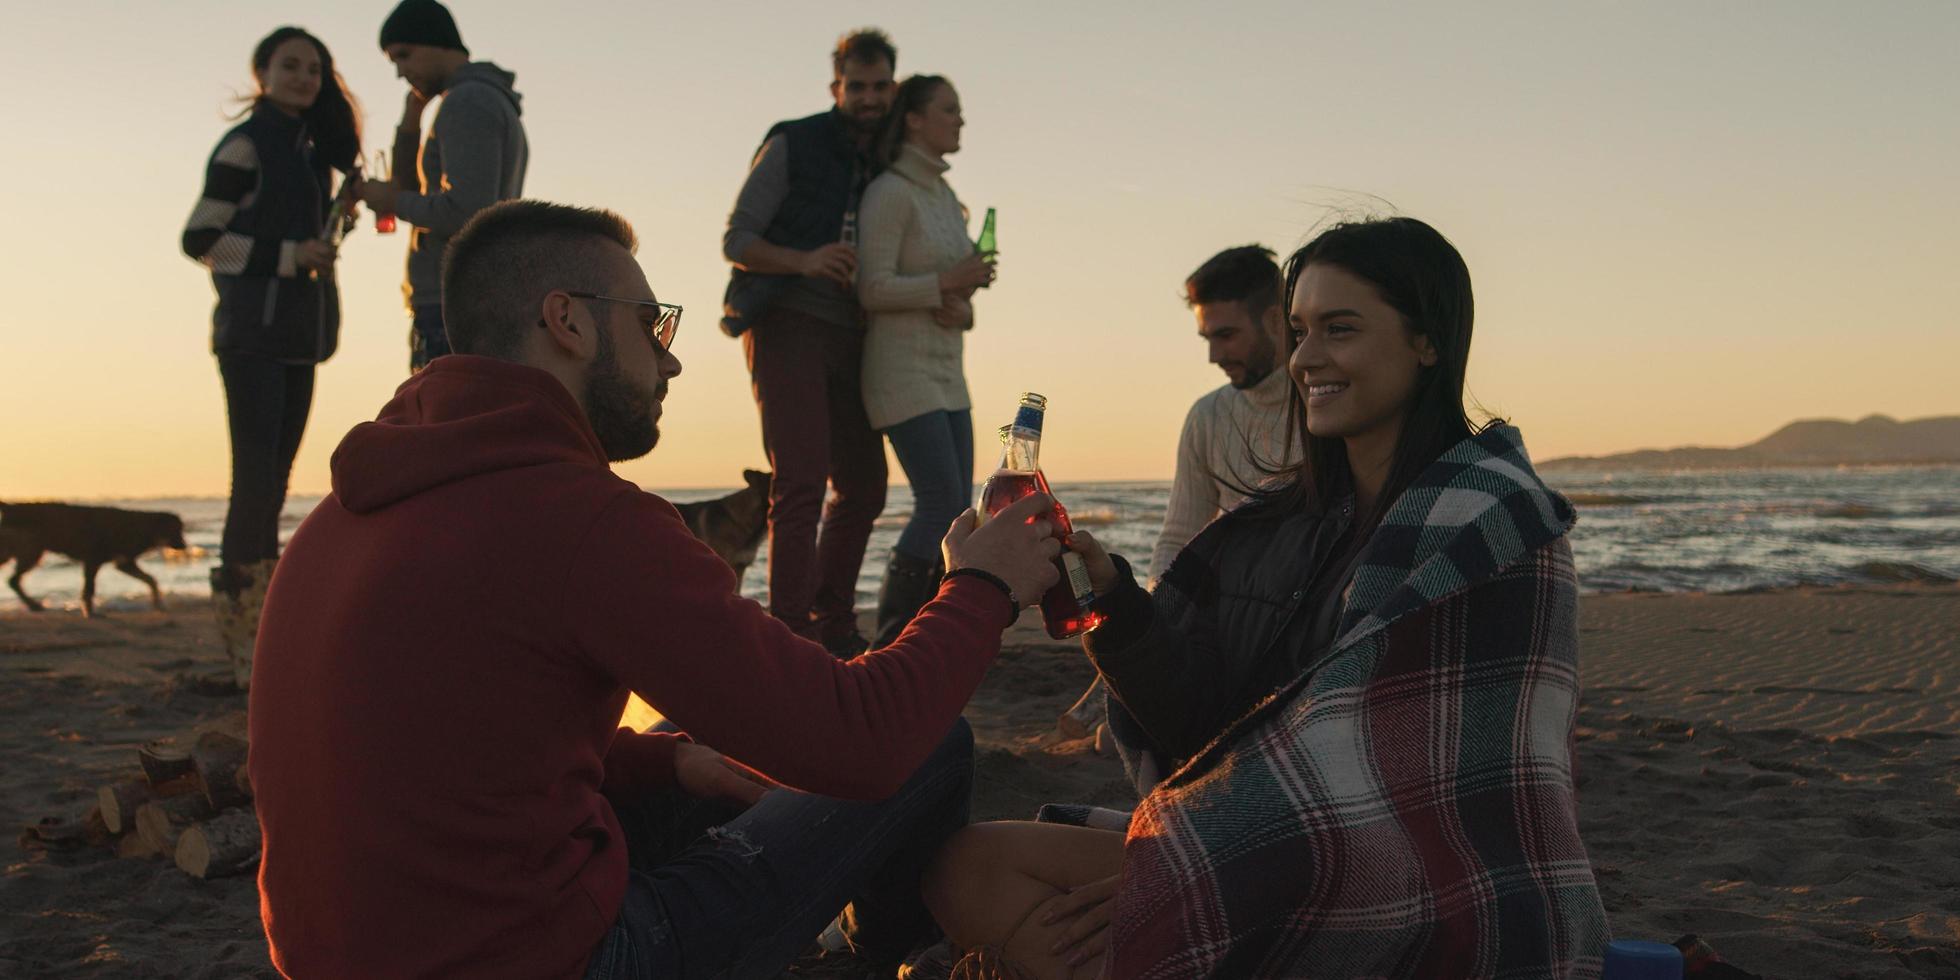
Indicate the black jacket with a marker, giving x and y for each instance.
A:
(1235, 617)
(246, 226)
(827, 177)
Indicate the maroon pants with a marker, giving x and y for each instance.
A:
(805, 373)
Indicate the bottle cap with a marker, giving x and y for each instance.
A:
(1028, 417)
(1641, 959)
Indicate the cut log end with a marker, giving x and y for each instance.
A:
(225, 845)
(118, 802)
(160, 822)
(134, 846)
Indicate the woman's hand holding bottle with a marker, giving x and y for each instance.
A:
(1096, 561)
(967, 275)
(315, 254)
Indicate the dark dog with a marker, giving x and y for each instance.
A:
(93, 536)
(733, 526)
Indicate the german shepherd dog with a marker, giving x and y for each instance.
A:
(733, 526)
(92, 536)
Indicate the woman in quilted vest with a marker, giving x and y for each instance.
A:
(916, 276)
(260, 227)
(1361, 684)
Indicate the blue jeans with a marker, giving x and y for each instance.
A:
(936, 451)
(720, 893)
(426, 340)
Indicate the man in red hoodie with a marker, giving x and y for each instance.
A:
(450, 638)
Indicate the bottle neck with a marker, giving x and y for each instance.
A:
(1022, 452)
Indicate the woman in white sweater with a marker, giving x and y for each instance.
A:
(916, 276)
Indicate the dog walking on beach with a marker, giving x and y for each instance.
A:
(92, 536)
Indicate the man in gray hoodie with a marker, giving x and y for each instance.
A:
(474, 155)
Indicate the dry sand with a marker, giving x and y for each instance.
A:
(1778, 772)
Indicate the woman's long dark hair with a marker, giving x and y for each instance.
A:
(912, 96)
(334, 118)
(1420, 274)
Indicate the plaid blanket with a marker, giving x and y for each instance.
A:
(1405, 808)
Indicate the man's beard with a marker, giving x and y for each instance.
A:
(621, 414)
(1251, 377)
(867, 124)
(1256, 368)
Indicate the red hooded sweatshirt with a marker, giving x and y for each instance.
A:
(443, 658)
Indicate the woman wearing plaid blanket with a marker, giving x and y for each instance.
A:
(1362, 684)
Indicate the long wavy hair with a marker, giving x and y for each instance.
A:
(1421, 276)
(334, 118)
(912, 96)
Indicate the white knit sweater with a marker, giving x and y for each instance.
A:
(910, 227)
(1227, 437)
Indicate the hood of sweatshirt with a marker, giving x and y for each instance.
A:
(461, 417)
(487, 73)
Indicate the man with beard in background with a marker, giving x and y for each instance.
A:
(792, 301)
(451, 637)
(1234, 435)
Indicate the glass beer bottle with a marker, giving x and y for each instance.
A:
(1065, 608)
(987, 244)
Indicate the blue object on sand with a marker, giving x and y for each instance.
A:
(1640, 959)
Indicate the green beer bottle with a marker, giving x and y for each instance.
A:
(985, 245)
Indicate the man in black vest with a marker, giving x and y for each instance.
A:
(792, 301)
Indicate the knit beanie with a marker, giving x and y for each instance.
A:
(422, 22)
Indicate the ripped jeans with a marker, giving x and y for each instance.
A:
(718, 892)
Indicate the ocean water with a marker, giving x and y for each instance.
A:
(1728, 531)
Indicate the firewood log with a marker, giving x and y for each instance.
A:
(95, 829)
(132, 845)
(119, 802)
(224, 845)
(164, 760)
(219, 759)
(161, 821)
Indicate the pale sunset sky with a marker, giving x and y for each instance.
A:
(1688, 223)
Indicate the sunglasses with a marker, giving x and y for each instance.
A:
(662, 320)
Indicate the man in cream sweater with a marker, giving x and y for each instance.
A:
(1235, 435)
(1232, 437)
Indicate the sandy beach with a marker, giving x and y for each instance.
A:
(1778, 772)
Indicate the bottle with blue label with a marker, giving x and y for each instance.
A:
(1065, 607)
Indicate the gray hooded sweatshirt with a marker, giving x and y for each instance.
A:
(474, 157)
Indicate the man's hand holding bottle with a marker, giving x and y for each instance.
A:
(1017, 546)
(837, 262)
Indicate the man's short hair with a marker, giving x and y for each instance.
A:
(1247, 274)
(497, 270)
(864, 46)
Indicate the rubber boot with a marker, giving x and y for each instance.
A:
(237, 596)
(909, 584)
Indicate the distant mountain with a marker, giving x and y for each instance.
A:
(1875, 439)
